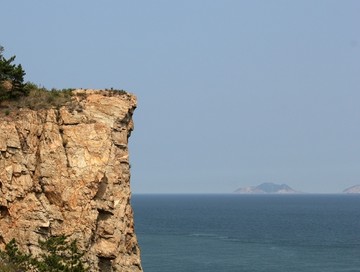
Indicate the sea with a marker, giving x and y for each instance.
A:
(249, 233)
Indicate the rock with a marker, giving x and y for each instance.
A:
(66, 171)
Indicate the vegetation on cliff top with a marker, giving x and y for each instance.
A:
(14, 93)
(11, 78)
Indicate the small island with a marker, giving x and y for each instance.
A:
(267, 188)
(352, 190)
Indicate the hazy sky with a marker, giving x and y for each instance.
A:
(230, 93)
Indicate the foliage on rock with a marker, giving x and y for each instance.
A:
(11, 78)
(15, 94)
(58, 255)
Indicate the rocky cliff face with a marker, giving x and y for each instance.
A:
(66, 171)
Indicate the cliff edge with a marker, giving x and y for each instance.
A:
(66, 171)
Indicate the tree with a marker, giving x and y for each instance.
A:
(59, 255)
(13, 260)
(11, 78)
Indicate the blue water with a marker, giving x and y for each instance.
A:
(229, 233)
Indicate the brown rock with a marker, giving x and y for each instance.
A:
(66, 171)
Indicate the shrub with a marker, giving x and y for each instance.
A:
(11, 78)
(40, 98)
(59, 255)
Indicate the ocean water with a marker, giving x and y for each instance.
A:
(230, 233)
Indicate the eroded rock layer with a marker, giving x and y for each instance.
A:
(66, 171)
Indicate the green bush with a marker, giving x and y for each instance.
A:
(59, 255)
(11, 78)
(13, 260)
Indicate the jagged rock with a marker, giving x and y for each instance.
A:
(66, 171)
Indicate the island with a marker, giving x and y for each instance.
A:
(352, 190)
(267, 188)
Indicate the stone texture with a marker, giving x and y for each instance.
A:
(66, 171)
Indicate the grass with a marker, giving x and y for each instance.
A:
(41, 98)
(38, 98)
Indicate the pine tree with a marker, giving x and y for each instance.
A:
(11, 78)
(59, 255)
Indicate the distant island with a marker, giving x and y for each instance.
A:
(352, 190)
(267, 188)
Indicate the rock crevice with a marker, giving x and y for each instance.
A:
(66, 171)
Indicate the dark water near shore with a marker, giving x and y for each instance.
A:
(280, 233)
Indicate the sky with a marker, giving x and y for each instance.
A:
(231, 93)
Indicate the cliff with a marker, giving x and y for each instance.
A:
(66, 171)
